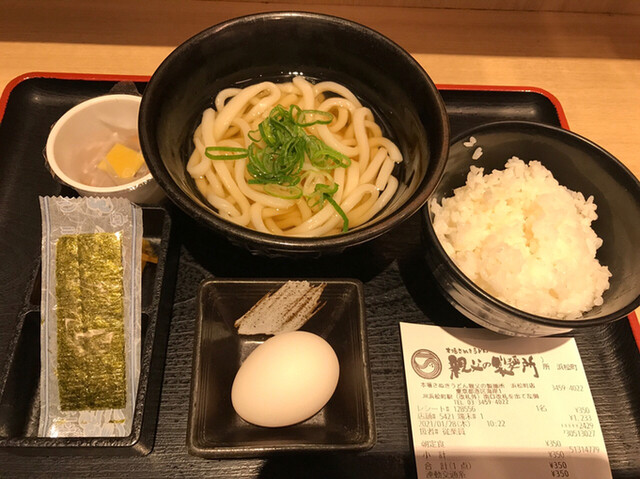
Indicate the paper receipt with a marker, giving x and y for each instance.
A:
(483, 405)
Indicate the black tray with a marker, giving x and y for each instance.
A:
(397, 287)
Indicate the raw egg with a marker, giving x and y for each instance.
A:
(285, 380)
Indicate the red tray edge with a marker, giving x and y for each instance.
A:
(4, 98)
(533, 89)
(145, 78)
(633, 319)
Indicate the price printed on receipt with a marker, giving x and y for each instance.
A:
(483, 405)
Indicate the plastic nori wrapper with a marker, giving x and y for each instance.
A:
(90, 335)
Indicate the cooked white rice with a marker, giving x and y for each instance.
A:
(525, 239)
(470, 142)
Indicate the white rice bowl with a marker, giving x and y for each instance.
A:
(525, 239)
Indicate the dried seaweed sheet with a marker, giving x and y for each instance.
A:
(91, 310)
(90, 322)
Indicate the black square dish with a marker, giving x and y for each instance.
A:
(215, 430)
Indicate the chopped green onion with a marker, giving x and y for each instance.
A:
(323, 157)
(226, 153)
(326, 192)
(345, 220)
(251, 137)
(326, 189)
(286, 192)
(278, 166)
(300, 114)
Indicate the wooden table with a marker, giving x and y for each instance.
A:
(590, 62)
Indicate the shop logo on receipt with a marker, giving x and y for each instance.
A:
(426, 364)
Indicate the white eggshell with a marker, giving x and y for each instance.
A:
(285, 380)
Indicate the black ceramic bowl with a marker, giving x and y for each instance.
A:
(277, 46)
(576, 163)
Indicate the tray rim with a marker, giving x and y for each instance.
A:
(4, 98)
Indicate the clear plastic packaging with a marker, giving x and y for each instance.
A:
(91, 310)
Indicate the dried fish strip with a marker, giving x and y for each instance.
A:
(90, 322)
(286, 309)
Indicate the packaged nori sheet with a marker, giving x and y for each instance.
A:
(91, 316)
(90, 322)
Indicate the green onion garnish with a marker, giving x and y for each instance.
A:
(287, 192)
(302, 120)
(345, 220)
(326, 192)
(278, 164)
(225, 153)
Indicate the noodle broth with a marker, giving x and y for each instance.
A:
(365, 189)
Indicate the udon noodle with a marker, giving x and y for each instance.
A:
(356, 189)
